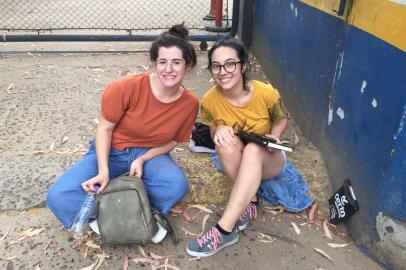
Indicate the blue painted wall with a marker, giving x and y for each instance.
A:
(319, 63)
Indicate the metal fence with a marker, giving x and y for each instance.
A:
(136, 18)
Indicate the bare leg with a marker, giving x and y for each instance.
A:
(230, 158)
(257, 163)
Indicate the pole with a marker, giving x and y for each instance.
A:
(219, 13)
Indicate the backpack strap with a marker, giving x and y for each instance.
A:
(162, 219)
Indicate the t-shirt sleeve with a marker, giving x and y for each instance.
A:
(185, 132)
(205, 115)
(275, 110)
(114, 103)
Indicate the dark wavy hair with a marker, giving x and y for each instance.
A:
(239, 47)
(175, 36)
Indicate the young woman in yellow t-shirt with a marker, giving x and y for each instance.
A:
(236, 101)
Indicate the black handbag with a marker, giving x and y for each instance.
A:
(201, 136)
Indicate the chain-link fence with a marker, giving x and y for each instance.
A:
(99, 16)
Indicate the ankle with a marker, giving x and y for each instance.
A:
(222, 230)
(256, 202)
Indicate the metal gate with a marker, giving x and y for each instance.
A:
(113, 20)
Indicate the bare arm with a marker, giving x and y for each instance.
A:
(137, 165)
(103, 144)
(279, 128)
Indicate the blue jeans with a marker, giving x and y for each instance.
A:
(164, 181)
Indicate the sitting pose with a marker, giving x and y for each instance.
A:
(142, 119)
(238, 102)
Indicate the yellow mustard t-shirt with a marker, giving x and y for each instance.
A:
(258, 115)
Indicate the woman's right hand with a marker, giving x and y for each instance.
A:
(224, 136)
(100, 180)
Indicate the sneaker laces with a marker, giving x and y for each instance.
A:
(212, 236)
(250, 211)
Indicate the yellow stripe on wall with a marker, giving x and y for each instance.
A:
(324, 5)
(384, 19)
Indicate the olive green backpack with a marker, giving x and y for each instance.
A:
(124, 214)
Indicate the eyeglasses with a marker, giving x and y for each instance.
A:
(176, 64)
(229, 67)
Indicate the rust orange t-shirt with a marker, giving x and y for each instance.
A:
(142, 120)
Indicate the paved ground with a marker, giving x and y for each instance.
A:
(48, 107)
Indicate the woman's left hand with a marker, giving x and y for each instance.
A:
(136, 167)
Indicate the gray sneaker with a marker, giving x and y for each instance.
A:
(211, 242)
(249, 213)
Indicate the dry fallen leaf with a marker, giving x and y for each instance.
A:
(201, 207)
(50, 241)
(195, 258)
(142, 252)
(186, 231)
(295, 227)
(275, 210)
(5, 235)
(204, 221)
(334, 245)
(337, 233)
(125, 261)
(297, 140)
(11, 258)
(326, 230)
(186, 215)
(145, 67)
(168, 266)
(158, 257)
(177, 210)
(30, 232)
(92, 266)
(65, 139)
(51, 146)
(312, 211)
(9, 88)
(264, 238)
(85, 252)
(41, 152)
(91, 244)
(266, 241)
(320, 251)
(147, 260)
(100, 260)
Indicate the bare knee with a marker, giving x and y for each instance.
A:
(229, 150)
(254, 151)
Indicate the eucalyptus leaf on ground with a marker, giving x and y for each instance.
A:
(334, 245)
(326, 230)
(295, 227)
(186, 231)
(323, 253)
(201, 207)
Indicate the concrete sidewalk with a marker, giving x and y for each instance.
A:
(48, 107)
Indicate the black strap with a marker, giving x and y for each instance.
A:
(162, 219)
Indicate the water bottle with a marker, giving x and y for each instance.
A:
(85, 213)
